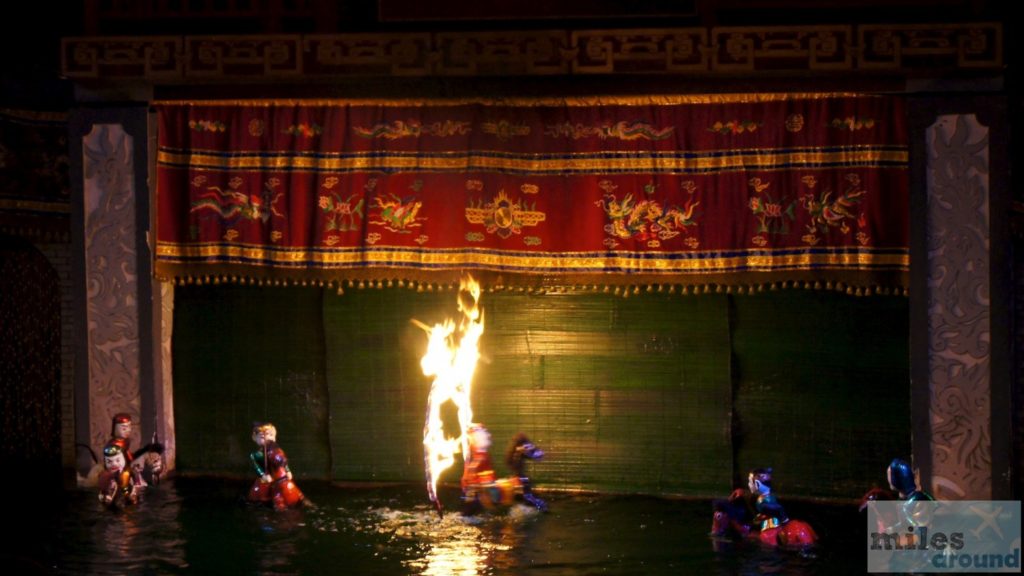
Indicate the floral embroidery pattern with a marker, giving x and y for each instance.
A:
(852, 123)
(826, 212)
(306, 130)
(531, 240)
(734, 127)
(622, 130)
(773, 215)
(207, 125)
(474, 237)
(413, 129)
(504, 129)
(529, 189)
(503, 216)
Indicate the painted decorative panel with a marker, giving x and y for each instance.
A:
(959, 314)
(111, 284)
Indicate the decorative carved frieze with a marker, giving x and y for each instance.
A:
(679, 51)
(155, 57)
(638, 51)
(246, 56)
(502, 53)
(368, 54)
(760, 49)
(930, 46)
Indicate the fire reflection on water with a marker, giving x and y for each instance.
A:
(459, 555)
(201, 526)
(464, 546)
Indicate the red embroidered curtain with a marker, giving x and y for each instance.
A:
(734, 190)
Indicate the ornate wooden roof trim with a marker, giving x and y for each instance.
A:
(910, 49)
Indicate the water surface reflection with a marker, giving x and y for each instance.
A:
(204, 526)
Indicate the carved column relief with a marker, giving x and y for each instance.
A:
(959, 354)
(111, 286)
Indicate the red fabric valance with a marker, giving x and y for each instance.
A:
(729, 190)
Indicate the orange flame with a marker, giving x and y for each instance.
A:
(451, 358)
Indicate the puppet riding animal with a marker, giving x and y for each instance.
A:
(482, 490)
(760, 515)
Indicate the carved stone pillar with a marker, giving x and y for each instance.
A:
(112, 312)
(123, 354)
(959, 308)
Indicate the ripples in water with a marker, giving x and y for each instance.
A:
(204, 526)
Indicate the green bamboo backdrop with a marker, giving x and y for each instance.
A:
(244, 355)
(655, 393)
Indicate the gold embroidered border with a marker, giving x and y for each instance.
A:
(540, 263)
(653, 163)
(596, 100)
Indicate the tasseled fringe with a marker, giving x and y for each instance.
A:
(625, 291)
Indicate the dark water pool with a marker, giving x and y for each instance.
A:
(201, 526)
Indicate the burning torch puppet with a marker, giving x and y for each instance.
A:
(274, 484)
(115, 481)
(120, 435)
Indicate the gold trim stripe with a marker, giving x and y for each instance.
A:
(383, 257)
(553, 254)
(34, 205)
(472, 161)
(34, 115)
(595, 100)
